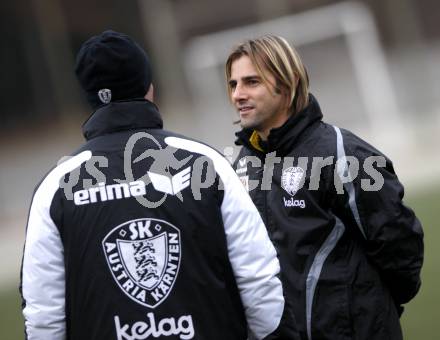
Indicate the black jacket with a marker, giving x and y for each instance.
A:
(131, 238)
(350, 250)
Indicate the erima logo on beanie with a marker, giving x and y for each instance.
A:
(112, 66)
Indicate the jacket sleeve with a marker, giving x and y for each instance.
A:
(42, 273)
(252, 256)
(255, 263)
(42, 283)
(392, 234)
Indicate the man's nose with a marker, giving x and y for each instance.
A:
(239, 93)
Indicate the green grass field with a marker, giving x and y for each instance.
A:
(419, 320)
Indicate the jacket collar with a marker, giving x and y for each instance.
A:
(121, 116)
(283, 138)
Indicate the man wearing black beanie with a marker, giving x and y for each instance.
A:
(112, 61)
(143, 233)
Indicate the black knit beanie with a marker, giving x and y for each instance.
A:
(112, 66)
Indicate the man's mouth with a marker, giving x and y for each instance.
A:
(245, 109)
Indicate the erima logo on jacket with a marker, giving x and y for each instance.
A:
(161, 183)
(144, 258)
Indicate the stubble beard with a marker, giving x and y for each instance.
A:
(251, 123)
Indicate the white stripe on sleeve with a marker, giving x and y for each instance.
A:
(349, 186)
(43, 277)
(251, 253)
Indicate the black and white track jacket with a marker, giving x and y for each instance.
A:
(131, 238)
(350, 250)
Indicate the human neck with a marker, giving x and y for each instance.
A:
(277, 122)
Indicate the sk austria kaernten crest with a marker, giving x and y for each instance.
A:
(144, 257)
(291, 179)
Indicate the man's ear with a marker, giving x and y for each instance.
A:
(150, 94)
